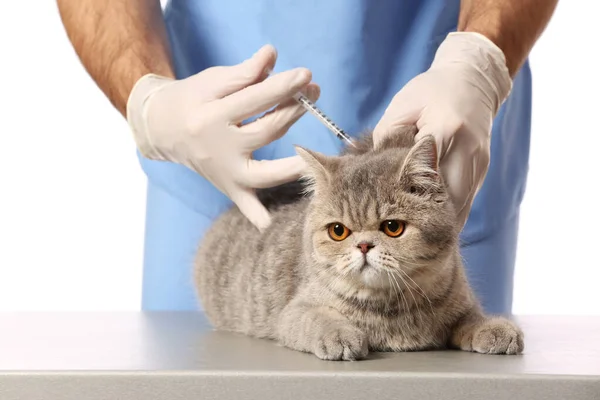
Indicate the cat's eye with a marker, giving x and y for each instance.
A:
(338, 232)
(393, 228)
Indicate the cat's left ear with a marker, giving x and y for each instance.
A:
(420, 173)
(318, 168)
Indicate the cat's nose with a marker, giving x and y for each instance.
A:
(365, 247)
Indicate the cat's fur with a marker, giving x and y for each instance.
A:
(294, 284)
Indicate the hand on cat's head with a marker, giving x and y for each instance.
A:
(375, 211)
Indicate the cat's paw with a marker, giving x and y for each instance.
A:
(498, 336)
(342, 343)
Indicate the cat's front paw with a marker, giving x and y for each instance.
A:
(498, 336)
(342, 343)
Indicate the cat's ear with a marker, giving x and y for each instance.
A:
(318, 168)
(420, 172)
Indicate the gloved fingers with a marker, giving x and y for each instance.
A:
(270, 173)
(395, 118)
(480, 164)
(443, 130)
(382, 131)
(276, 123)
(260, 97)
(464, 169)
(458, 171)
(463, 214)
(222, 81)
(251, 207)
(405, 109)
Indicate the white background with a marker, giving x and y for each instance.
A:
(72, 194)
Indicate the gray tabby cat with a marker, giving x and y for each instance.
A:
(364, 257)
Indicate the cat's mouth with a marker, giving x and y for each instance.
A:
(367, 270)
(364, 267)
(370, 274)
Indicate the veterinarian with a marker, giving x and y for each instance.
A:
(191, 83)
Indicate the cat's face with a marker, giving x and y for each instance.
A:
(377, 218)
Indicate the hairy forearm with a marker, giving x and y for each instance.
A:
(513, 25)
(117, 41)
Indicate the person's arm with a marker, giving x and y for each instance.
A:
(458, 97)
(118, 42)
(513, 25)
(194, 121)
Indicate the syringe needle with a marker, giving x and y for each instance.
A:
(314, 110)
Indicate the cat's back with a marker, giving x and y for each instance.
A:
(237, 267)
(232, 230)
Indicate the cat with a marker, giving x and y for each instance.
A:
(361, 255)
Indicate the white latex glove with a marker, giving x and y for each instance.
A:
(196, 122)
(455, 100)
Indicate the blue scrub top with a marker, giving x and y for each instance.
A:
(361, 52)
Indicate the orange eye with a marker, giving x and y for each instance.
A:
(393, 228)
(338, 232)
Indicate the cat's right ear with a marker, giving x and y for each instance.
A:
(317, 171)
(420, 173)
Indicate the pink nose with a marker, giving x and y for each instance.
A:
(365, 247)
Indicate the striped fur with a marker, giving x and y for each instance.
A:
(292, 283)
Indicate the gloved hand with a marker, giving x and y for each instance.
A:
(196, 122)
(455, 100)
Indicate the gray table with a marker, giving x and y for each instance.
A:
(149, 356)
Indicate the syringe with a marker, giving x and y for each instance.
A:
(314, 110)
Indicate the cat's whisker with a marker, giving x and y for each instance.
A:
(405, 301)
(401, 293)
(407, 264)
(409, 288)
(412, 262)
(390, 295)
(420, 290)
(338, 278)
(389, 292)
(388, 257)
(395, 290)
